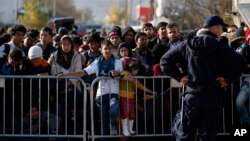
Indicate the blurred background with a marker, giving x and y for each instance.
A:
(102, 14)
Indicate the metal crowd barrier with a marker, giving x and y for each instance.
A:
(155, 120)
(152, 117)
(63, 114)
(45, 107)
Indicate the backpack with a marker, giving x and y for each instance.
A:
(6, 50)
(244, 50)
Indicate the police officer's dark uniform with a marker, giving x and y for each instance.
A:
(203, 60)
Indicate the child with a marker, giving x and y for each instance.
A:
(35, 123)
(123, 50)
(108, 89)
(127, 92)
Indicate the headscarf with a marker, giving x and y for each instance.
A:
(63, 58)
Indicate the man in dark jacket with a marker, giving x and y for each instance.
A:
(46, 42)
(162, 37)
(205, 66)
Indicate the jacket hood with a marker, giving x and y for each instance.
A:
(204, 43)
(127, 29)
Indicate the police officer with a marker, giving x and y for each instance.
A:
(205, 66)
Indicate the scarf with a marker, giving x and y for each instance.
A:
(64, 59)
(40, 62)
(105, 66)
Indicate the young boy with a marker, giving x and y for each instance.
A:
(108, 89)
(35, 123)
(9, 63)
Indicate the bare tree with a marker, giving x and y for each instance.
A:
(190, 14)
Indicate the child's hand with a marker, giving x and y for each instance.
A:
(155, 94)
(42, 74)
(115, 73)
(147, 97)
(184, 80)
(60, 74)
(222, 82)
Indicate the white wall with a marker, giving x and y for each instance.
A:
(8, 10)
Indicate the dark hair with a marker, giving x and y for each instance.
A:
(191, 34)
(56, 38)
(161, 24)
(76, 40)
(2, 30)
(34, 31)
(63, 31)
(106, 43)
(72, 32)
(16, 54)
(94, 37)
(15, 28)
(5, 38)
(139, 34)
(124, 45)
(30, 34)
(171, 25)
(242, 24)
(47, 29)
(233, 25)
(145, 25)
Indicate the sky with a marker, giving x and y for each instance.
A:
(100, 7)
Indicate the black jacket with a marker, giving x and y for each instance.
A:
(203, 59)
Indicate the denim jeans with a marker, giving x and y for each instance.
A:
(241, 100)
(108, 105)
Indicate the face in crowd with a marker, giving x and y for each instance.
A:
(162, 32)
(149, 31)
(123, 52)
(45, 37)
(115, 40)
(66, 44)
(107, 49)
(173, 33)
(129, 36)
(230, 31)
(94, 46)
(142, 41)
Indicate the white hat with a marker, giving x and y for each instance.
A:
(35, 52)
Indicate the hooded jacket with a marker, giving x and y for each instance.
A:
(203, 59)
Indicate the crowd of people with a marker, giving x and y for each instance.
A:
(205, 60)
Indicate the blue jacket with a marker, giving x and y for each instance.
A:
(203, 59)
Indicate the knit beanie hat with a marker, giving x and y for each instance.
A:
(116, 30)
(35, 52)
